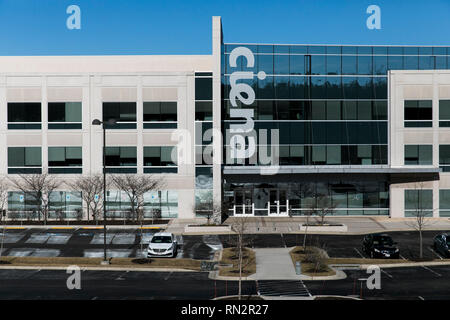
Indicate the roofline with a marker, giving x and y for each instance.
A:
(338, 45)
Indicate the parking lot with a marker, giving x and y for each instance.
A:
(344, 246)
(89, 243)
(128, 243)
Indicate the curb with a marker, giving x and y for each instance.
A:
(99, 268)
(55, 227)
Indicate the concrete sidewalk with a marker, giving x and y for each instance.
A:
(355, 225)
(274, 264)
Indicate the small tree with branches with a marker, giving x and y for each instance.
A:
(420, 215)
(239, 226)
(323, 207)
(91, 188)
(40, 186)
(3, 203)
(135, 186)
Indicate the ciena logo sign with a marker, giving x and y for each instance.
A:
(242, 137)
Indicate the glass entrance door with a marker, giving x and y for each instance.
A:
(278, 205)
(243, 202)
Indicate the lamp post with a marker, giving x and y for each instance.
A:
(97, 122)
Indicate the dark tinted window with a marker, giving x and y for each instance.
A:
(24, 112)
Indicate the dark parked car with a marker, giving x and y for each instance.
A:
(380, 246)
(441, 244)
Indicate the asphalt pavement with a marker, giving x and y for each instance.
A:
(89, 243)
(117, 285)
(413, 283)
(127, 243)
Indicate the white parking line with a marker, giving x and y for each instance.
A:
(421, 298)
(359, 252)
(438, 274)
(437, 254)
(387, 273)
(168, 276)
(402, 257)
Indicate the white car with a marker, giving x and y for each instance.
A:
(163, 244)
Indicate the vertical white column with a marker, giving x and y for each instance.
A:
(44, 121)
(140, 126)
(435, 147)
(3, 126)
(217, 107)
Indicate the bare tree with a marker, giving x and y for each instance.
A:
(91, 188)
(135, 186)
(323, 207)
(239, 226)
(3, 203)
(40, 186)
(420, 216)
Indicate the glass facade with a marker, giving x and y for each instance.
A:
(203, 140)
(329, 104)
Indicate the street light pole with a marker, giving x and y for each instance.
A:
(105, 261)
(103, 123)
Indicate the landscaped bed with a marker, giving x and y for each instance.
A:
(188, 264)
(310, 268)
(230, 257)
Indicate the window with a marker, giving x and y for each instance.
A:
(24, 160)
(160, 115)
(118, 204)
(203, 88)
(203, 111)
(418, 202)
(24, 115)
(64, 160)
(164, 202)
(444, 113)
(160, 160)
(64, 115)
(123, 112)
(23, 205)
(121, 159)
(65, 205)
(444, 203)
(418, 113)
(418, 154)
(444, 157)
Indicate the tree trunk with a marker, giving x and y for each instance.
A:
(420, 244)
(240, 266)
(306, 232)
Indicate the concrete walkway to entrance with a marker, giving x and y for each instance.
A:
(355, 225)
(274, 264)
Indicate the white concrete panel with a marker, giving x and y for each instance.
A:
(29, 139)
(66, 81)
(64, 140)
(106, 64)
(417, 92)
(24, 94)
(160, 94)
(64, 94)
(119, 94)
